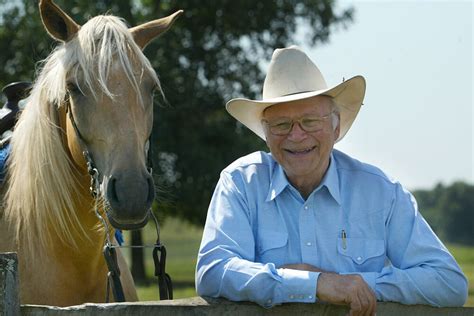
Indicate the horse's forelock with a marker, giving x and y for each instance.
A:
(88, 59)
(102, 41)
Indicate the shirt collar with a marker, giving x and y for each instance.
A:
(330, 180)
(278, 182)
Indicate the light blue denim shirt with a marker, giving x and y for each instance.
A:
(358, 221)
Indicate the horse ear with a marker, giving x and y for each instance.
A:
(143, 34)
(58, 24)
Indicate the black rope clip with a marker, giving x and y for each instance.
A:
(113, 276)
(164, 280)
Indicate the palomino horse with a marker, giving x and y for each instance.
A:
(94, 93)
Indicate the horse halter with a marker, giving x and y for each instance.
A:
(110, 255)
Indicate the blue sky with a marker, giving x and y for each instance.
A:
(417, 120)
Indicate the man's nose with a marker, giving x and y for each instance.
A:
(297, 132)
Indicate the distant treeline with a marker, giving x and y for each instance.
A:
(450, 211)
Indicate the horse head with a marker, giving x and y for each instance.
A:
(108, 94)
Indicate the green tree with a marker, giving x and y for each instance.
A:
(457, 206)
(212, 53)
(450, 211)
(428, 204)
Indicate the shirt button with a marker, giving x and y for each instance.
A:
(269, 301)
(292, 296)
(310, 297)
(359, 258)
(308, 243)
(306, 207)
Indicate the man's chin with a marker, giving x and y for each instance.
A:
(298, 171)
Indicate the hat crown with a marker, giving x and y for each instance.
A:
(290, 72)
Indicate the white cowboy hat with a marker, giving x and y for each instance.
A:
(293, 76)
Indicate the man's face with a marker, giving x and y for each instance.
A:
(303, 155)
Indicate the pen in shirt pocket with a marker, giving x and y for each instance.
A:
(344, 236)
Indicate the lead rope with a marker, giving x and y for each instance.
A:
(165, 286)
(110, 254)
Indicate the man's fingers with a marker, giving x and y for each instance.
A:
(362, 299)
(364, 302)
(369, 301)
(373, 302)
(356, 307)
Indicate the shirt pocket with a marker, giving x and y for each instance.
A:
(272, 247)
(361, 255)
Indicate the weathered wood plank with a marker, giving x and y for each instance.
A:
(217, 307)
(9, 298)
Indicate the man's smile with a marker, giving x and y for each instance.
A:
(300, 151)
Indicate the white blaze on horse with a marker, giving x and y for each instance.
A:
(95, 90)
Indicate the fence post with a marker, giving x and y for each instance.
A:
(9, 298)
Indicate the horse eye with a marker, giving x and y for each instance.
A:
(73, 89)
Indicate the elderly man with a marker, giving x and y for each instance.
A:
(307, 222)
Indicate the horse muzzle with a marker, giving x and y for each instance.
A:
(129, 197)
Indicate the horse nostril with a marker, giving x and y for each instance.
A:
(111, 190)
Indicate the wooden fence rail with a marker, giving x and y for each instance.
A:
(9, 299)
(10, 305)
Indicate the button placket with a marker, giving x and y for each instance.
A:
(307, 233)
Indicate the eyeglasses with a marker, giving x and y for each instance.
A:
(309, 123)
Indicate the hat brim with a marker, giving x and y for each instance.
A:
(348, 96)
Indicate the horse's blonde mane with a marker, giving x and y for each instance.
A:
(40, 197)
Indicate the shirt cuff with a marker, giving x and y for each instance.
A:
(297, 286)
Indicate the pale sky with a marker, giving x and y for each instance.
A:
(417, 120)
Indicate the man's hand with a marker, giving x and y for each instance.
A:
(302, 266)
(349, 290)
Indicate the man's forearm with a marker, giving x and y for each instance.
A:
(239, 280)
(419, 285)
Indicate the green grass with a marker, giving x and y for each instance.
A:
(182, 243)
(465, 257)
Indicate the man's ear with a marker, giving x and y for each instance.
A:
(144, 33)
(337, 130)
(59, 25)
